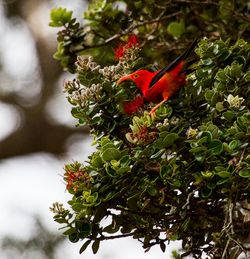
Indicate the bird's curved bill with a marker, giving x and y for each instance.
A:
(122, 79)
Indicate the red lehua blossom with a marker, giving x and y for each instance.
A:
(70, 178)
(119, 51)
(76, 178)
(131, 42)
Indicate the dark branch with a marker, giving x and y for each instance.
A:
(127, 31)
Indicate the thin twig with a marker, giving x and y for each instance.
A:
(114, 237)
(230, 207)
(239, 244)
(188, 199)
(225, 249)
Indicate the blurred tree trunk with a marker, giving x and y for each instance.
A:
(37, 133)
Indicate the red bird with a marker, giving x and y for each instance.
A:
(159, 86)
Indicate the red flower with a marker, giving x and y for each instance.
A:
(119, 51)
(74, 179)
(70, 177)
(131, 42)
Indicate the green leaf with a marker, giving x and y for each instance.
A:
(233, 144)
(175, 182)
(245, 173)
(229, 115)
(73, 237)
(60, 16)
(207, 61)
(176, 29)
(107, 145)
(219, 106)
(207, 174)
(163, 247)
(104, 141)
(165, 171)
(110, 171)
(60, 220)
(222, 181)
(112, 228)
(125, 161)
(69, 231)
(206, 193)
(77, 206)
(247, 76)
(169, 139)
(207, 134)
(96, 120)
(97, 161)
(83, 228)
(148, 151)
(211, 185)
(224, 174)
(152, 191)
(219, 168)
(84, 246)
(111, 154)
(95, 246)
(200, 157)
(215, 147)
(123, 170)
(159, 143)
(208, 94)
(197, 149)
(235, 69)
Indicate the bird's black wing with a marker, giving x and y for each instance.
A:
(173, 64)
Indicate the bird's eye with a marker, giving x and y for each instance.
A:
(136, 76)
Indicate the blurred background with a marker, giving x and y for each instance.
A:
(38, 136)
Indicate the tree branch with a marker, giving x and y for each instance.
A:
(127, 31)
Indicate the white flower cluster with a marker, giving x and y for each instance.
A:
(174, 120)
(57, 208)
(131, 54)
(235, 101)
(81, 95)
(110, 73)
(84, 63)
(70, 86)
(165, 123)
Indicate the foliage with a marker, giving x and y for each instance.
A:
(181, 175)
(156, 23)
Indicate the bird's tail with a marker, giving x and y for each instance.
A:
(176, 64)
(185, 54)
